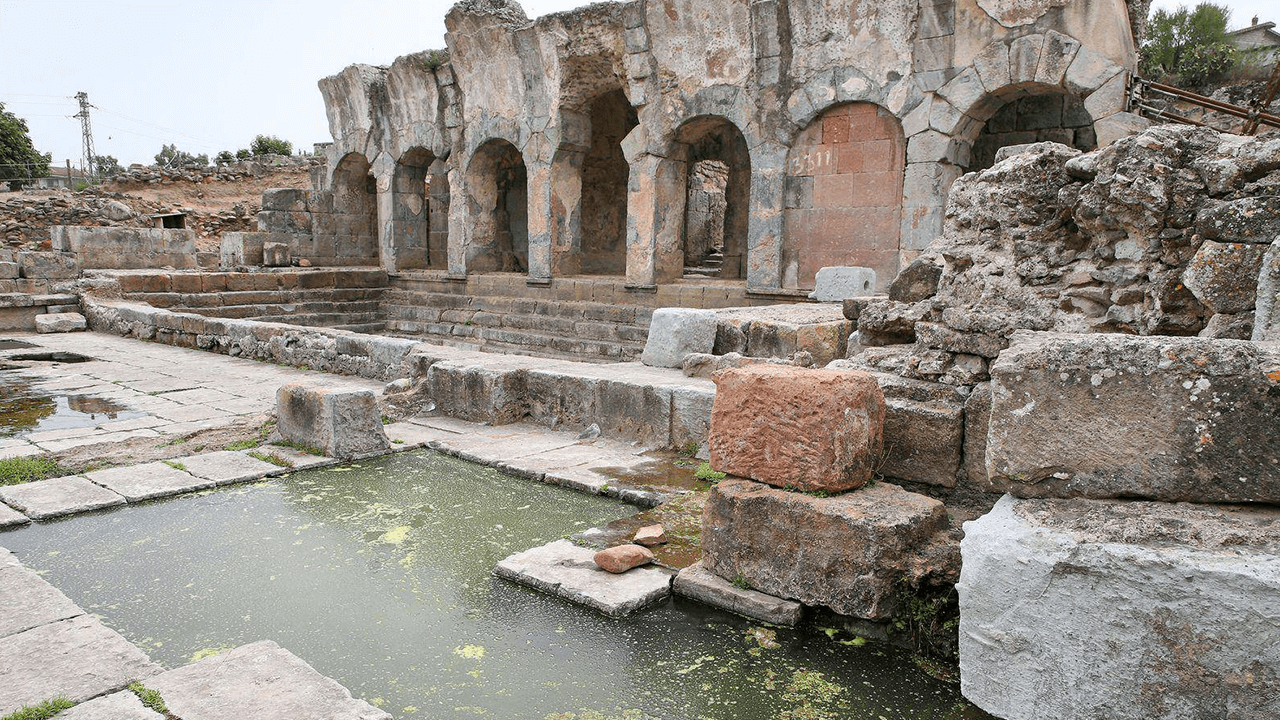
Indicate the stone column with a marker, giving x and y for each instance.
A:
(765, 227)
(539, 200)
(383, 170)
(460, 222)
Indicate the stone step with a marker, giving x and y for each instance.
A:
(572, 309)
(542, 324)
(519, 342)
(324, 319)
(259, 312)
(257, 297)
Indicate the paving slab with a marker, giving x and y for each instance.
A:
(69, 495)
(260, 681)
(568, 571)
(411, 435)
(11, 518)
(79, 658)
(8, 560)
(147, 481)
(28, 601)
(225, 467)
(705, 586)
(97, 438)
(20, 450)
(299, 459)
(123, 705)
(188, 413)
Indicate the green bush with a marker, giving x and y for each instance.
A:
(270, 145)
(1189, 46)
(15, 471)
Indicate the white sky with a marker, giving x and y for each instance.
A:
(209, 75)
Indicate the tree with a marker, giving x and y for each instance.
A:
(226, 157)
(106, 165)
(1189, 47)
(271, 145)
(243, 154)
(171, 158)
(19, 159)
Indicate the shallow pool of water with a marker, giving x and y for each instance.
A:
(25, 408)
(379, 575)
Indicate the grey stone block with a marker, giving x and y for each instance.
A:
(8, 516)
(224, 467)
(676, 332)
(123, 705)
(60, 322)
(9, 270)
(48, 265)
(260, 681)
(834, 284)
(1266, 315)
(275, 254)
(341, 422)
(1224, 276)
(923, 441)
(59, 496)
(1075, 609)
(705, 586)
(27, 601)
(568, 571)
(149, 480)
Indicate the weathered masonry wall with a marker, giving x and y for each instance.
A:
(125, 247)
(532, 129)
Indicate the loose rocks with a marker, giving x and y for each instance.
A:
(623, 557)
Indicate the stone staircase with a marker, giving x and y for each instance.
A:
(566, 329)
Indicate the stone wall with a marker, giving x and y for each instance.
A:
(1041, 118)
(762, 71)
(125, 247)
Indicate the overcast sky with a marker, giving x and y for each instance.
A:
(210, 75)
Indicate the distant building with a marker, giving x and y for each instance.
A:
(1260, 40)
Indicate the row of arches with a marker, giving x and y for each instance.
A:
(842, 193)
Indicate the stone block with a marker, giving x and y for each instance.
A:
(240, 248)
(834, 284)
(1224, 276)
(285, 199)
(275, 254)
(56, 497)
(1120, 125)
(343, 423)
(923, 441)
(1246, 220)
(78, 658)
(1266, 315)
(705, 586)
(8, 516)
(147, 481)
(1076, 609)
(260, 681)
(1165, 418)
(568, 571)
(851, 553)
(789, 426)
(621, 558)
(48, 265)
(977, 417)
(123, 705)
(491, 393)
(28, 601)
(676, 332)
(941, 337)
(60, 322)
(10, 270)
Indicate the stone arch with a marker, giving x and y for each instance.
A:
(411, 211)
(498, 206)
(605, 174)
(355, 212)
(1027, 114)
(843, 194)
(715, 185)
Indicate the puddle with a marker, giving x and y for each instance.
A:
(55, 356)
(6, 344)
(25, 408)
(379, 575)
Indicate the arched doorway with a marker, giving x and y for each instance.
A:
(411, 209)
(1047, 114)
(604, 187)
(717, 197)
(497, 194)
(843, 194)
(355, 210)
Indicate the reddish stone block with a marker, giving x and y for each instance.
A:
(832, 191)
(835, 129)
(795, 427)
(850, 159)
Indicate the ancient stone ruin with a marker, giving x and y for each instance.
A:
(891, 316)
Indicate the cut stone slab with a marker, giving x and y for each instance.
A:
(60, 323)
(1108, 415)
(225, 467)
(705, 586)
(28, 601)
(834, 284)
(1082, 609)
(79, 658)
(259, 681)
(791, 426)
(342, 422)
(1223, 276)
(123, 705)
(568, 571)
(11, 518)
(299, 459)
(1266, 315)
(150, 480)
(651, 535)
(676, 332)
(923, 441)
(57, 497)
(851, 552)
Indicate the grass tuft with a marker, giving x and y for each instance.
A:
(244, 444)
(175, 465)
(150, 698)
(299, 447)
(15, 471)
(43, 711)
(270, 458)
(704, 472)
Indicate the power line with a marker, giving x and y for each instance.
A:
(166, 129)
(87, 131)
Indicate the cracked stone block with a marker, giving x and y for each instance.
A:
(225, 467)
(834, 284)
(78, 658)
(1082, 609)
(343, 423)
(1109, 415)
(60, 322)
(150, 480)
(676, 332)
(705, 586)
(123, 705)
(11, 518)
(569, 571)
(259, 681)
(45, 499)
(28, 601)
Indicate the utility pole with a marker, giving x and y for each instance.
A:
(87, 131)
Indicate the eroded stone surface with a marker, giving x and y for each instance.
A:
(224, 467)
(851, 553)
(1081, 609)
(259, 681)
(676, 332)
(1175, 419)
(11, 518)
(343, 423)
(123, 705)
(566, 570)
(27, 601)
(59, 496)
(788, 426)
(147, 481)
(705, 586)
(78, 658)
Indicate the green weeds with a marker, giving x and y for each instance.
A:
(150, 698)
(15, 471)
(270, 458)
(43, 711)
